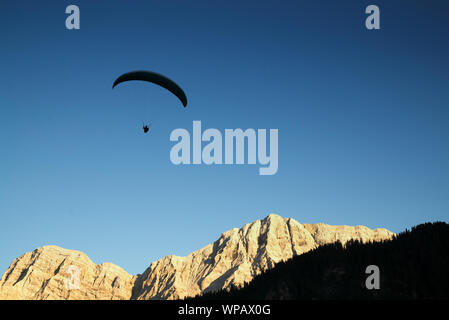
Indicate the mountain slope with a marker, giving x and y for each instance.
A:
(44, 272)
(235, 258)
(240, 254)
(413, 265)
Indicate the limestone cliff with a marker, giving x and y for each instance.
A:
(55, 273)
(236, 257)
(240, 254)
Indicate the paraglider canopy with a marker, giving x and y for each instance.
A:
(155, 78)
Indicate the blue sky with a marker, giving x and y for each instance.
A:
(362, 118)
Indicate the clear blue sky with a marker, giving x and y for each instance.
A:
(362, 117)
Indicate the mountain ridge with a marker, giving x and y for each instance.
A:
(236, 257)
(413, 265)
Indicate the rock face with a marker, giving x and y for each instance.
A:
(324, 233)
(236, 257)
(55, 273)
(240, 254)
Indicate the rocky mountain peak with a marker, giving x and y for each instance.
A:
(51, 272)
(236, 257)
(240, 254)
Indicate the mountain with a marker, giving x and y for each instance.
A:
(44, 272)
(240, 254)
(235, 258)
(413, 265)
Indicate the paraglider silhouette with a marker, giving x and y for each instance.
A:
(156, 78)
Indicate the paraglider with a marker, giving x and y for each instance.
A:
(156, 78)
